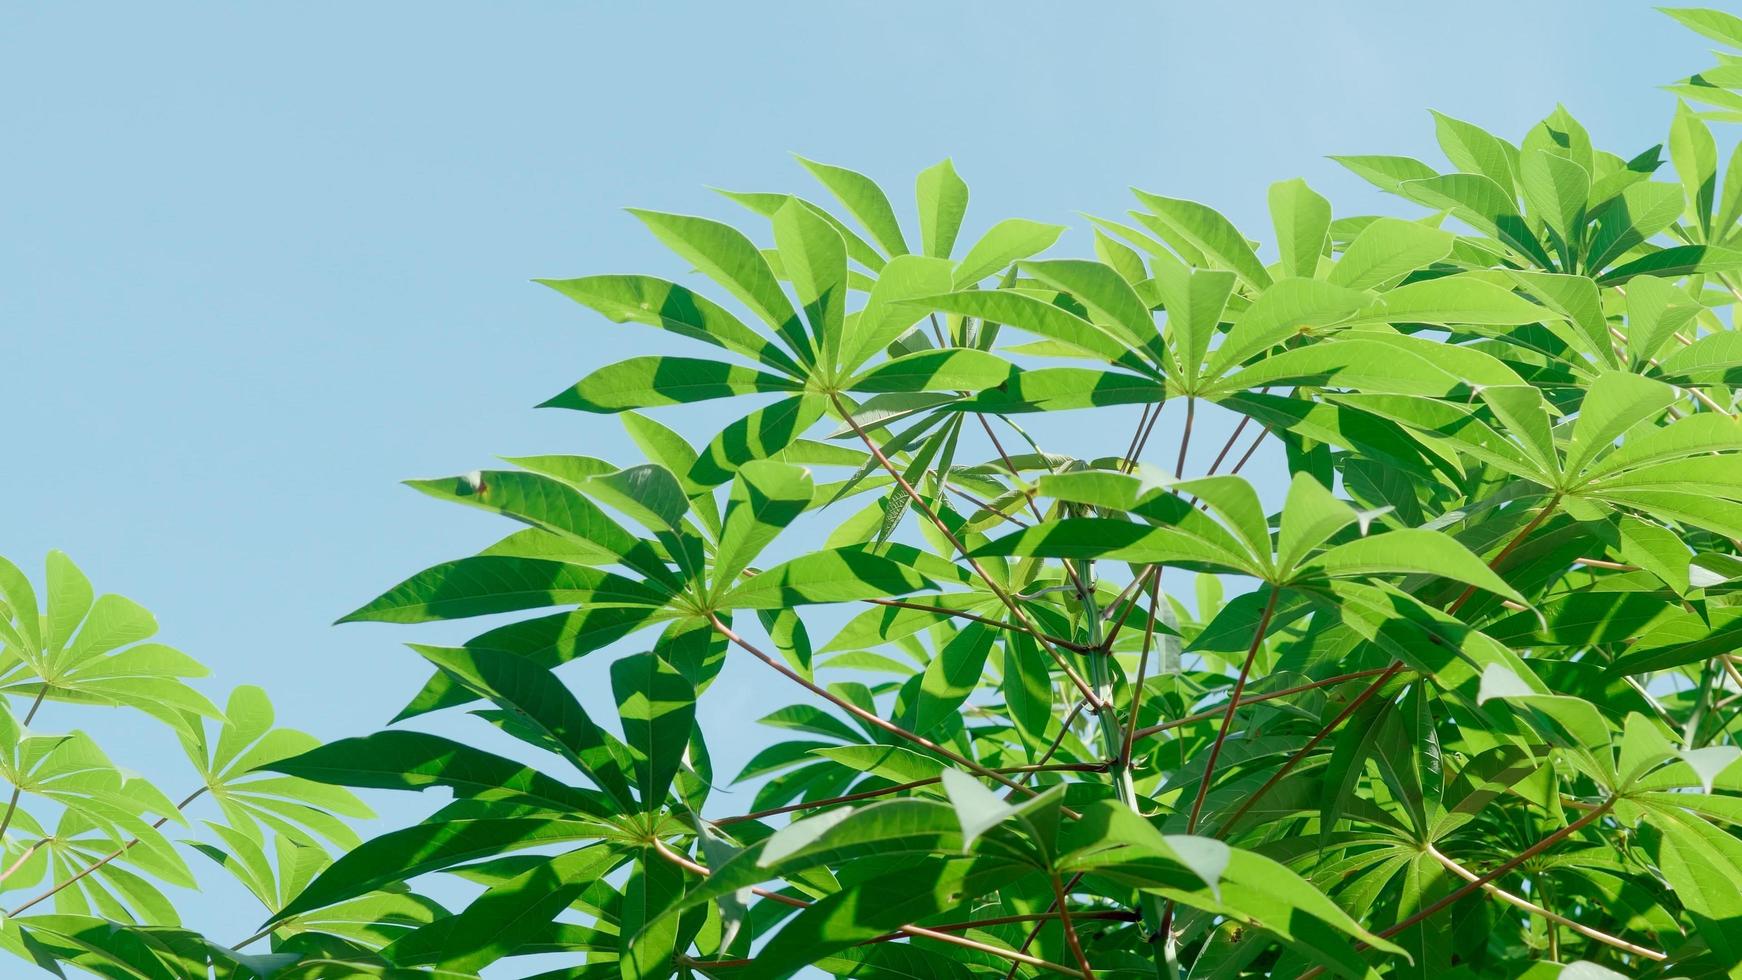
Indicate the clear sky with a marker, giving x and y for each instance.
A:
(259, 262)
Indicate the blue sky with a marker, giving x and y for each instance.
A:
(261, 262)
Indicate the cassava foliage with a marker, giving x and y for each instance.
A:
(88, 844)
(1471, 710)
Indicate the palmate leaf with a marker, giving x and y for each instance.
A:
(539, 701)
(81, 648)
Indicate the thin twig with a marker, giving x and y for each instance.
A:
(1250, 450)
(1256, 698)
(1064, 730)
(1036, 930)
(1142, 668)
(871, 794)
(1233, 705)
(1076, 946)
(1529, 906)
(1185, 439)
(858, 712)
(123, 849)
(1385, 676)
(955, 542)
(1002, 624)
(1015, 957)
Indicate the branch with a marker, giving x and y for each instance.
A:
(1142, 668)
(1001, 624)
(123, 849)
(12, 804)
(1529, 906)
(1385, 675)
(926, 509)
(861, 713)
(1058, 891)
(934, 934)
(1032, 933)
(901, 788)
(1228, 715)
(1185, 439)
(1256, 698)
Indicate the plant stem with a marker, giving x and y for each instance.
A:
(1071, 940)
(12, 804)
(1250, 450)
(1033, 933)
(962, 549)
(1233, 704)
(861, 713)
(1114, 742)
(674, 857)
(1008, 464)
(1114, 915)
(1702, 700)
(1529, 906)
(1257, 698)
(1052, 749)
(1226, 446)
(1506, 552)
(1001, 624)
(900, 788)
(1130, 458)
(1124, 761)
(1478, 881)
(22, 858)
(1385, 675)
(1533, 850)
(1185, 439)
(112, 855)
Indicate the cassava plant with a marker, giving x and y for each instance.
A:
(1471, 710)
(89, 845)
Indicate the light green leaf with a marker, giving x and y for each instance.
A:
(943, 200)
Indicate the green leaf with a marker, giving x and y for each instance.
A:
(950, 369)
(766, 496)
(1674, 262)
(658, 710)
(1695, 156)
(507, 915)
(815, 260)
(1474, 150)
(943, 200)
(1482, 204)
(1215, 235)
(887, 313)
(430, 846)
(646, 382)
(724, 255)
(415, 761)
(1310, 515)
(1578, 718)
(758, 435)
(1388, 249)
(1410, 551)
(1555, 190)
(835, 575)
(1456, 299)
(488, 584)
(1005, 242)
(658, 303)
(1722, 27)
(952, 676)
(1302, 219)
(864, 200)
